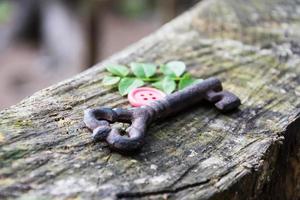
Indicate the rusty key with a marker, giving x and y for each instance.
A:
(98, 120)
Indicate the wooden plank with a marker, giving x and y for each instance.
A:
(46, 152)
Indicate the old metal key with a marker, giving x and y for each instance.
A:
(99, 120)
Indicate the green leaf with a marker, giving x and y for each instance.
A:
(119, 70)
(128, 84)
(166, 71)
(173, 68)
(186, 81)
(167, 85)
(110, 80)
(143, 70)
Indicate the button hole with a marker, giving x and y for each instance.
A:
(145, 98)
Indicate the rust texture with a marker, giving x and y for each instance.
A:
(99, 119)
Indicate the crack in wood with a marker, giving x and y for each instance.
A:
(159, 192)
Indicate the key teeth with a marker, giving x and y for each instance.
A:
(228, 102)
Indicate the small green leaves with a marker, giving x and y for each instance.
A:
(118, 70)
(167, 85)
(171, 74)
(186, 81)
(173, 68)
(111, 80)
(128, 84)
(143, 70)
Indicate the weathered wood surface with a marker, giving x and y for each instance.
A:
(253, 153)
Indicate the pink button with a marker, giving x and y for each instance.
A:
(144, 95)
